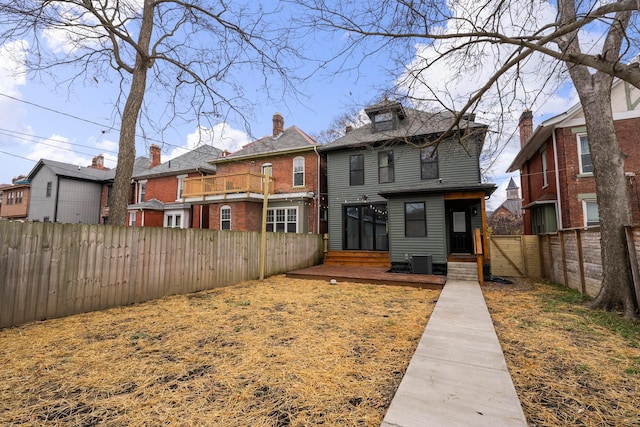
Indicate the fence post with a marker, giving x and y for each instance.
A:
(583, 285)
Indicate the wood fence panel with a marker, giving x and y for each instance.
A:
(52, 270)
(31, 270)
(507, 258)
(531, 248)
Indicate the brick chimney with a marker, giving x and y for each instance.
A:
(278, 124)
(97, 162)
(526, 126)
(154, 153)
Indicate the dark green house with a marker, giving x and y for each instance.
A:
(390, 189)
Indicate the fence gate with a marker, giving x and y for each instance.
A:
(515, 256)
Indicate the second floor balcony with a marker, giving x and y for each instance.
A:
(222, 185)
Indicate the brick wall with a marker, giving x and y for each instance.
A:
(572, 182)
(245, 216)
(248, 215)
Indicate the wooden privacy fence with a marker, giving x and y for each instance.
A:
(53, 270)
(569, 257)
(515, 256)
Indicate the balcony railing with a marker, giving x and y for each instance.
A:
(224, 184)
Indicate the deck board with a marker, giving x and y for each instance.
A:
(373, 275)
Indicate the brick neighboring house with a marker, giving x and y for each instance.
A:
(558, 187)
(157, 190)
(235, 197)
(14, 199)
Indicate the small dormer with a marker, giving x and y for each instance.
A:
(385, 115)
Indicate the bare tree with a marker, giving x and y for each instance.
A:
(194, 56)
(503, 43)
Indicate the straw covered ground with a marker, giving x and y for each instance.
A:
(287, 352)
(281, 352)
(570, 365)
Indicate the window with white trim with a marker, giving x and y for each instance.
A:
(298, 171)
(132, 219)
(283, 220)
(142, 189)
(584, 155)
(591, 215)
(225, 218)
(180, 186)
(545, 169)
(173, 220)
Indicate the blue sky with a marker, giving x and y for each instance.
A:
(39, 119)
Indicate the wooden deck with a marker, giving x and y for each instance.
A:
(373, 275)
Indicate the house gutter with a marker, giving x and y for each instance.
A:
(318, 192)
(555, 161)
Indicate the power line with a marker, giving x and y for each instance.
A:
(27, 137)
(102, 125)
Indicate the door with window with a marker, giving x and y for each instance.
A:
(365, 227)
(460, 231)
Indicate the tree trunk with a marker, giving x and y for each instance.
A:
(612, 194)
(130, 113)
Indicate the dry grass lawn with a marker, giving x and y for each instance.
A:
(281, 352)
(289, 352)
(571, 366)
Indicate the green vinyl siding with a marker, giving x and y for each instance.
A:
(456, 164)
(435, 241)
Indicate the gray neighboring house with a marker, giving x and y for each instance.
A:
(389, 191)
(62, 192)
(71, 193)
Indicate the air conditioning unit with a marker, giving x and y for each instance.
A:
(421, 264)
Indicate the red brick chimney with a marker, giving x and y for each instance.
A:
(97, 162)
(526, 126)
(278, 124)
(154, 153)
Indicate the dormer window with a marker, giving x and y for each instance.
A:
(385, 115)
(384, 121)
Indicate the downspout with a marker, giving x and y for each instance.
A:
(558, 197)
(55, 207)
(318, 192)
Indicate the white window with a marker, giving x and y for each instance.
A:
(298, 172)
(283, 220)
(132, 219)
(545, 169)
(142, 189)
(267, 169)
(584, 155)
(591, 215)
(225, 218)
(173, 220)
(180, 186)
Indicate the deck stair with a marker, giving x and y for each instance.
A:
(358, 258)
(462, 271)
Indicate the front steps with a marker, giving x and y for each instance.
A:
(462, 271)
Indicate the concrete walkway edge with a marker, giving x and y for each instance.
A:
(458, 375)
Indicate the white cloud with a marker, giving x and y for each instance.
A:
(57, 148)
(454, 79)
(221, 136)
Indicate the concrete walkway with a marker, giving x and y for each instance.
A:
(458, 375)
